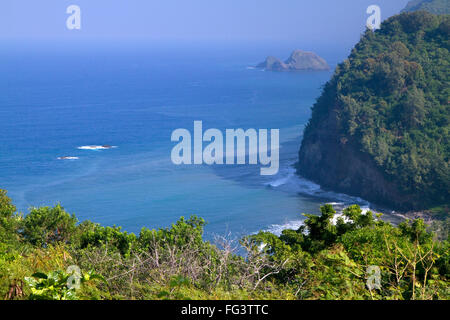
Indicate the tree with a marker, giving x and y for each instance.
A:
(46, 225)
(412, 108)
(7, 209)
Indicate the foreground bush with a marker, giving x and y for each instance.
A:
(43, 253)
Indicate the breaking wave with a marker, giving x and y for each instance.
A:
(94, 147)
(289, 181)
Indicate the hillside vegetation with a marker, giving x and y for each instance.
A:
(380, 129)
(44, 254)
(432, 6)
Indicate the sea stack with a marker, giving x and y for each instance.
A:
(298, 61)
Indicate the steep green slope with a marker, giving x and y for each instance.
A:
(380, 130)
(433, 6)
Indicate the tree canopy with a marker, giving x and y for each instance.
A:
(390, 100)
(432, 6)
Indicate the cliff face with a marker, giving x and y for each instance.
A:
(380, 129)
(337, 164)
(298, 61)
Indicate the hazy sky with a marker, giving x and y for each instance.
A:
(194, 20)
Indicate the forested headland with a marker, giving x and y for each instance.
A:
(380, 129)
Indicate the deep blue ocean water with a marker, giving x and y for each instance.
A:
(56, 99)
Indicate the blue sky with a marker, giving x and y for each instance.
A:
(194, 20)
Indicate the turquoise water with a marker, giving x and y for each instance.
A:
(54, 101)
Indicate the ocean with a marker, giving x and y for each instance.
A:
(57, 99)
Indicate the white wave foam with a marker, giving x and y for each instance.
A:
(94, 147)
(292, 182)
(278, 182)
(277, 229)
(286, 174)
(68, 158)
(303, 186)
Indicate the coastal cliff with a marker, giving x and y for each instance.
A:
(380, 129)
(298, 61)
